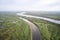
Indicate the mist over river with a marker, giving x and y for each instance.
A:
(44, 18)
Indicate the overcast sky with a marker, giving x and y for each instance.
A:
(29, 5)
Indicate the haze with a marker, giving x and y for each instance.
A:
(29, 5)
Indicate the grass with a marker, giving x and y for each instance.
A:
(12, 28)
(54, 17)
(49, 31)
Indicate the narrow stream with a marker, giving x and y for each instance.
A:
(35, 34)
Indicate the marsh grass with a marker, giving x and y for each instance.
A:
(49, 31)
(12, 28)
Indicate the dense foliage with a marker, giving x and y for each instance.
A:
(12, 28)
(49, 31)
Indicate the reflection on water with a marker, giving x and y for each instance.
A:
(47, 19)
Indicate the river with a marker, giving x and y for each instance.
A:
(37, 17)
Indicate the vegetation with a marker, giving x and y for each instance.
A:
(48, 14)
(12, 28)
(49, 31)
(54, 17)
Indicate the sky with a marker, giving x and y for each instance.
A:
(29, 5)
